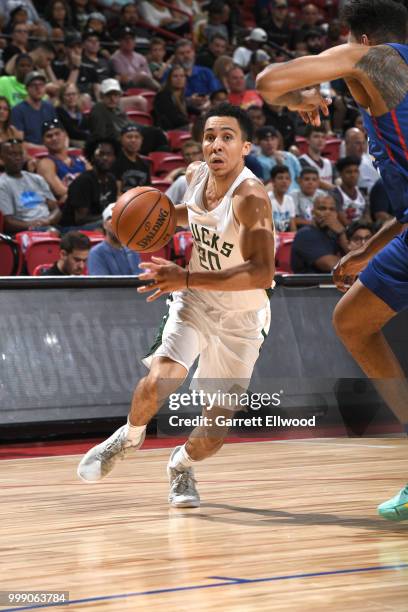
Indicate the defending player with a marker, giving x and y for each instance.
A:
(219, 308)
(376, 73)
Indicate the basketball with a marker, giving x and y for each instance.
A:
(144, 219)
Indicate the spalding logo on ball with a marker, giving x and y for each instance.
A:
(144, 219)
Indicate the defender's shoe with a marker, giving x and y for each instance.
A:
(396, 508)
(183, 491)
(99, 460)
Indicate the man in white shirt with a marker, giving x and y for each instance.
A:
(316, 139)
(255, 40)
(355, 142)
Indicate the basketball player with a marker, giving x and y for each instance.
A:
(219, 309)
(374, 64)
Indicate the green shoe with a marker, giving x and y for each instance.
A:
(396, 508)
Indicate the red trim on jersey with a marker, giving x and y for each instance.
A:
(399, 132)
(377, 129)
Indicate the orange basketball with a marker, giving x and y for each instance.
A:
(144, 219)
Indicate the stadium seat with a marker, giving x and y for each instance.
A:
(164, 252)
(42, 252)
(11, 258)
(332, 149)
(182, 243)
(301, 144)
(161, 184)
(94, 236)
(139, 117)
(177, 138)
(284, 250)
(28, 237)
(38, 269)
(37, 151)
(147, 94)
(164, 162)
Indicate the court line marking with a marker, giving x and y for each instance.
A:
(227, 581)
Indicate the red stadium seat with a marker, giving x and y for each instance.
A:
(147, 94)
(37, 151)
(301, 144)
(11, 257)
(332, 149)
(38, 269)
(164, 252)
(165, 162)
(42, 252)
(161, 184)
(284, 250)
(28, 237)
(94, 236)
(140, 117)
(182, 247)
(177, 138)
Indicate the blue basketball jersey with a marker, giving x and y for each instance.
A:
(388, 144)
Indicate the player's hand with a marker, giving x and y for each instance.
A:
(166, 276)
(312, 102)
(346, 271)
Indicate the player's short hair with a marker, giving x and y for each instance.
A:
(381, 20)
(279, 169)
(357, 225)
(75, 241)
(308, 170)
(228, 110)
(92, 144)
(311, 129)
(345, 162)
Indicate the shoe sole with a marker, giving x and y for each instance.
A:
(398, 513)
(185, 504)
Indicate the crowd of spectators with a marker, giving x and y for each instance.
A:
(91, 90)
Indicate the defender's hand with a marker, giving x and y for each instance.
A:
(166, 276)
(345, 272)
(312, 102)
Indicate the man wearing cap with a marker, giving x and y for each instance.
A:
(92, 63)
(132, 67)
(29, 115)
(270, 156)
(13, 87)
(110, 257)
(130, 169)
(60, 167)
(253, 42)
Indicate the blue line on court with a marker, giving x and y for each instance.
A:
(227, 581)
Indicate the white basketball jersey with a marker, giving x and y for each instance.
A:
(216, 242)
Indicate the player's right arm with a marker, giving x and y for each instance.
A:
(181, 209)
(346, 271)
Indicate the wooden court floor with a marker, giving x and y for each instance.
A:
(284, 526)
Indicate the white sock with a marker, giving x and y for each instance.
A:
(134, 432)
(181, 459)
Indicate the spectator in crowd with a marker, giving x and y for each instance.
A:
(380, 203)
(130, 169)
(13, 87)
(159, 16)
(253, 42)
(71, 116)
(74, 253)
(170, 109)
(310, 18)
(106, 119)
(201, 81)
(25, 198)
(335, 34)
(283, 207)
(58, 15)
(351, 203)
(216, 47)
(18, 43)
(22, 11)
(259, 60)
(42, 55)
(218, 15)
(316, 139)
(109, 257)
(319, 246)
(270, 156)
(29, 115)
(7, 130)
(355, 142)
(218, 97)
(221, 68)
(93, 190)
(282, 120)
(155, 56)
(305, 196)
(257, 117)
(277, 26)
(239, 95)
(81, 9)
(131, 67)
(192, 151)
(358, 233)
(93, 63)
(60, 167)
(314, 42)
(98, 22)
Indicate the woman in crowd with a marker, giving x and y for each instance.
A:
(170, 107)
(70, 114)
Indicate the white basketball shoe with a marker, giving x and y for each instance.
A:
(183, 491)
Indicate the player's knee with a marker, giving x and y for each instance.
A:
(343, 321)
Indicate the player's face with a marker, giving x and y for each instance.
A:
(223, 145)
(75, 262)
(309, 183)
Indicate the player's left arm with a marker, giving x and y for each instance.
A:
(284, 83)
(253, 212)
